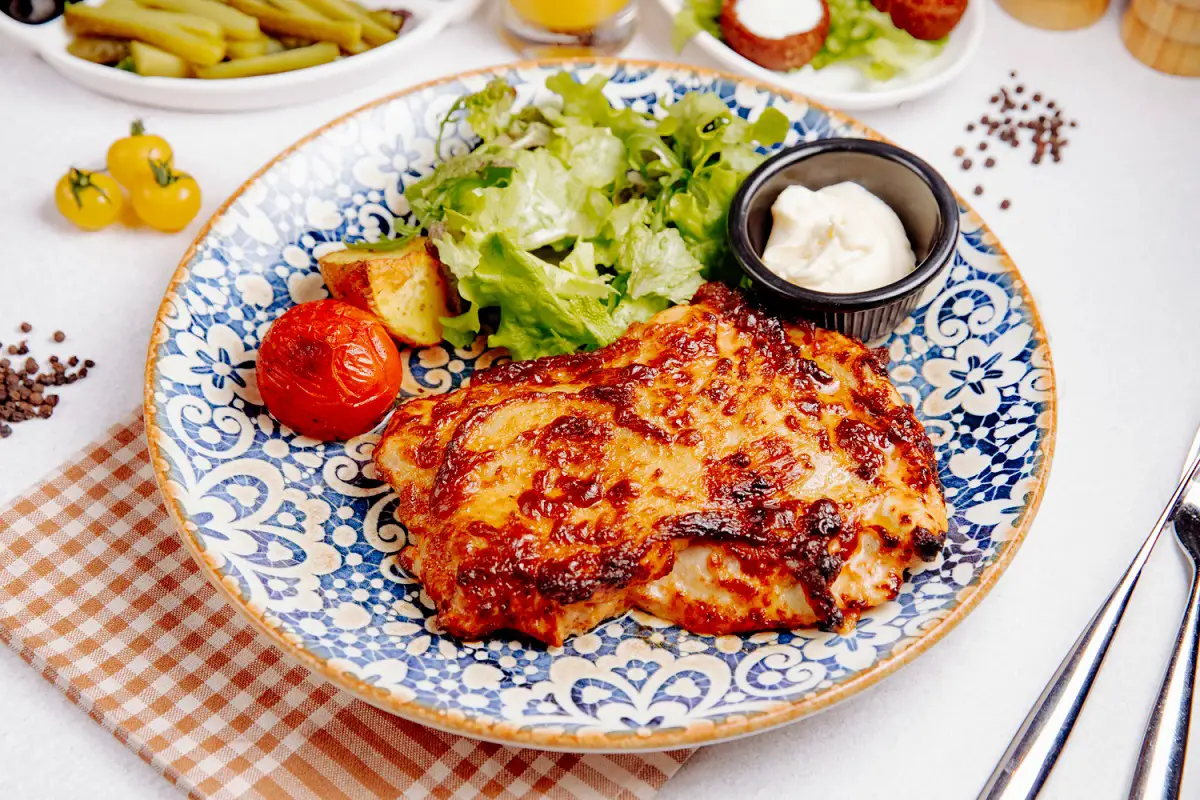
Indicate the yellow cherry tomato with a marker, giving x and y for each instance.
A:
(169, 201)
(129, 158)
(91, 200)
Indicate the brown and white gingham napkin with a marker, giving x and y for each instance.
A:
(99, 595)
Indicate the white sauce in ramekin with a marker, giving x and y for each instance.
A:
(839, 239)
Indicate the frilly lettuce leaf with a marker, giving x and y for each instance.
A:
(454, 186)
(864, 37)
(640, 309)
(488, 111)
(859, 35)
(658, 263)
(595, 156)
(577, 220)
(889, 56)
(714, 145)
(544, 204)
(696, 16)
(545, 308)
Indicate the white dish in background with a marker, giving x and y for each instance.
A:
(49, 40)
(844, 87)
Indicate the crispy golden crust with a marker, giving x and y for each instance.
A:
(789, 52)
(714, 466)
(924, 19)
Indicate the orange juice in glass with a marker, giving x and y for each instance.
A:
(568, 27)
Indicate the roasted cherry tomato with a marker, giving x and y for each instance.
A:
(328, 370)
(129, 158)
(91, 200)
(167, 202)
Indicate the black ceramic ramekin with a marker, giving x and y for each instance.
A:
(920, 196)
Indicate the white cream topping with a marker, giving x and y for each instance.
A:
(777, 19)
(838, 239)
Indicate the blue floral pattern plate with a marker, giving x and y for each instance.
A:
(301, 535)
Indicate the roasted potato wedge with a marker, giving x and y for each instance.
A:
(405, 288)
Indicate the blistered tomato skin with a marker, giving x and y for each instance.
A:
(328, 370)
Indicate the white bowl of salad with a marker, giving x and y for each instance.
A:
(866, 60)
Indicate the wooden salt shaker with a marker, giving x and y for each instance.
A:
(1056, 15)
(1164, 34)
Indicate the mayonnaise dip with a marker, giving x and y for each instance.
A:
(838, 239)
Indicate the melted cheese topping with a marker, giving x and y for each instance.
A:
(715, 466)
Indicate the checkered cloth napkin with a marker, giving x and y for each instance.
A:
(99, 595)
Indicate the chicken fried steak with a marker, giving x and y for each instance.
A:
(715, 466)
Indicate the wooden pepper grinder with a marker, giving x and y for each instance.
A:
(1056, 15)
(1164, 34)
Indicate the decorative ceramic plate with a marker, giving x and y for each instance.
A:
(845, 87)
(301, 535)
(49, 40)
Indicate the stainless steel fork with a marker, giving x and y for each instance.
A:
(1159, 771)
(1031, 755)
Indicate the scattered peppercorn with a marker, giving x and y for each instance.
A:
(1013, 115)
(1004, 204)
(25, 389)
(26, 327)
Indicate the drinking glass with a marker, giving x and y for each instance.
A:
(549, 28)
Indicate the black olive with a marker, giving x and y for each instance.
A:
(33, 12)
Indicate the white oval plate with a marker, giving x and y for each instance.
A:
(50, 40)
(844, 87)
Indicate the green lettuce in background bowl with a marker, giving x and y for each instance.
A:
(859, 35)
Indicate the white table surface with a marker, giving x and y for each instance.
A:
(1106, 240)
